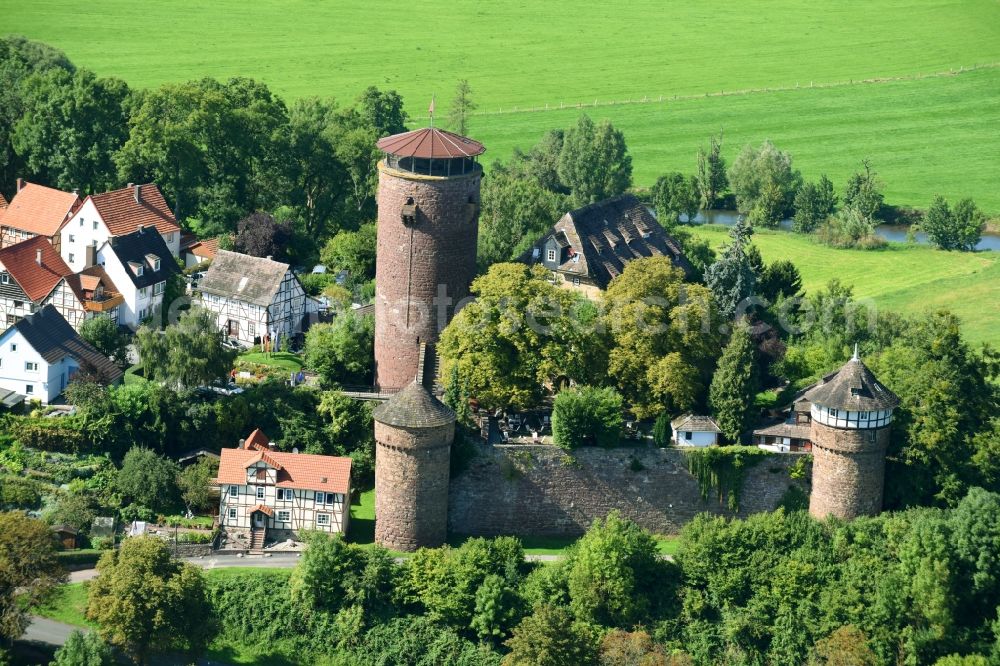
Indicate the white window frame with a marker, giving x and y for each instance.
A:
(234, 491)
(5, 278)
(159, 288)
(287, 516)
(550, 255)
(29, 389)
(323, 519)
(261, 492)
(95, 225)
(232, 514)
(72, 257)
(31, 366)
(72, 238)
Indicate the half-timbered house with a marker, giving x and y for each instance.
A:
(276, 495)
(255, 297)
(33, 275)
(36, 210)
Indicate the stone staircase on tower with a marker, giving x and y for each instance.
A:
(429, 369)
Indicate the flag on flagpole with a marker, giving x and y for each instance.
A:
(430, 110)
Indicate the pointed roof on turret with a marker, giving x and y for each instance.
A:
(414, 407)
(430, 143)
(853, 388)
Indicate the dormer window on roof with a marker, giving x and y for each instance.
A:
(243, 283)
(154, 261)
(136, 268)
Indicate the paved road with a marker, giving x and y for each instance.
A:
(275, 561)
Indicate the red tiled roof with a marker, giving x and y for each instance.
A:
(263, 508)
(3, 201)
(303, 471)
(39, 210)
(430, 143)
(37, 280)
(123, 214)
(257, 440)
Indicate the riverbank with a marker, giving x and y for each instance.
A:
(907, 278)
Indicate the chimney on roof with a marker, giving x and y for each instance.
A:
(241, 444)
(76, 191)
(20, 184)
(140, 228)
(137, 193)
(38, 256)
(270, 257)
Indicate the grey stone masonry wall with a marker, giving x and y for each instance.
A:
(848, 471)
(414, 261)
(543, 491)
(411, 485)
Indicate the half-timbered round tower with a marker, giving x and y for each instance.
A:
(428, 227)
(413, 436)
(851, 418)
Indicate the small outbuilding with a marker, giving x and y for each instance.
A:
(68, 536)
(694, 430)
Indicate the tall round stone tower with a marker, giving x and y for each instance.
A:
(851, 417)
(413, 436)
(428, 226)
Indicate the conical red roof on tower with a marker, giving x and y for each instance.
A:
(430, 143)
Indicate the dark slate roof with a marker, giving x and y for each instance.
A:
(244, 278)
(695, 423)
(53, 338)
(606, 236)
(785, 429)
(134, 247)
(853, 388)
(414, 407)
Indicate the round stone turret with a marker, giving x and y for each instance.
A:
(413, 436)
(851, 415)
(428, 227)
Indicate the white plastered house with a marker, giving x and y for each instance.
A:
(694, 430)
(139, 264)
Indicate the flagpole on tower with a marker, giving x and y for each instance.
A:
(430, 110)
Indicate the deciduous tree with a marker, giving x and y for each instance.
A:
(352, 251)
(664, 337)
(551, 637)
(520, 334)
(143, 601)
(814, 202)
(84, 649)
(186, 354)
(196, 483)
(674, 195)
(108, 338)
(764, 183)
(863, 192)
(711, 176)
(29, 570)
(260, 235)
(958, 228)
(147, 479)
(587, 415)
(341, 352)
(594, 162)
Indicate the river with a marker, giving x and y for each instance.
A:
(891, 232)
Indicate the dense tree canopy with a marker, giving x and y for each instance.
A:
(521, 333)
(586, 415)
(814, 202)
(341, 352)
(108, 338)
(958, 228)
(29, 570)
(674, 195)
(260, 235)
(187, 354)
(664, 337)
(594, 162)
(143, 601)
(765, 184)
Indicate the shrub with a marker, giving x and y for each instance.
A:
(662, 431)
(20, 493)
(587, 415)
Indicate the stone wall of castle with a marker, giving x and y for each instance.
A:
(411, 485)
(542, 491)
(848, 471)
(414, 260)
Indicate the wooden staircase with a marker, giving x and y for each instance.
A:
(257, 540)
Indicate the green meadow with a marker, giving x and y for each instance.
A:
(925, 135)
(906, 278)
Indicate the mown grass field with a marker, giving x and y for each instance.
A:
(905, 278)
(925, 136)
